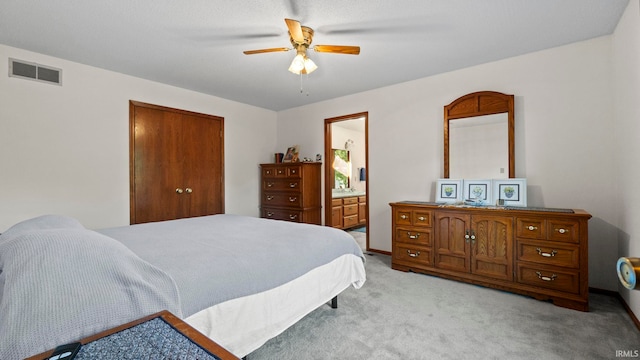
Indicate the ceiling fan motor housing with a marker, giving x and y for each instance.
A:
(307, 34)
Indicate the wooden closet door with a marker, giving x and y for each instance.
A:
(202, 149)
(176, 163)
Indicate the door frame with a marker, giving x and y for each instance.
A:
(328, 173)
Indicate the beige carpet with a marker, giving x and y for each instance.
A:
(361, 238)
(398, 315)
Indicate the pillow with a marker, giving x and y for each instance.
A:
(63, 284)
(39, 223)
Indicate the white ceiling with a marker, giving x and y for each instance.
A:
(198, 44)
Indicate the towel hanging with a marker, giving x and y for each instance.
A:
(363, 174)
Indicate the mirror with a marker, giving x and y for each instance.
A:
(479, 137)
(341, 162)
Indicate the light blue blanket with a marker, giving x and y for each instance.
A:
(61, 282)
(221, 257)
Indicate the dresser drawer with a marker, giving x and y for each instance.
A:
(336, 202)
(349, 221)
(549, 277)
(274, 172)
(530, 228)
(422, 237)
(402, 217)
(350, 200)
(268, 172)
(282, 199)
(410, 254)
(350, 209)
(281, 184)
(421, 218)
(548, 253)
(563, 230)
(282, 214)
(294, 171)
(413, 217)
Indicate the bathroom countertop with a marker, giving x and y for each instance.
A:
(340, 195)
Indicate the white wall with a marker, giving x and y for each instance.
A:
(564, 138)
(65, 149)
(626, 60)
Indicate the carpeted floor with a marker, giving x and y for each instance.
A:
(360, 237)
(398, 315)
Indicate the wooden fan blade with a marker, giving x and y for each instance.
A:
(351, 50)
(251, 52)
(295, 30)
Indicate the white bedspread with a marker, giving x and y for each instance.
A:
(244, 324)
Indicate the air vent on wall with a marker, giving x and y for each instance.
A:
(32, 71)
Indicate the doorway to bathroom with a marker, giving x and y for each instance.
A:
(346, 174)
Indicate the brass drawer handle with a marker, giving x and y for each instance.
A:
(416, 254)
(532, 228)
(269, 197)
(270, 184)
(293, 217)
(403, 217)
(546, 278)
(292, 199)
(422, 218)
(417, 235)
(179, 191)
(546, 254)
(293, 185)
(269, 214)
(562, 231)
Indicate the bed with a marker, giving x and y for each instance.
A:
(239, 280)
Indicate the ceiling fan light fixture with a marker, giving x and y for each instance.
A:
(309, 65)
(301, 64)
(297, 65)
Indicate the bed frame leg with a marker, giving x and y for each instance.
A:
(334, 302)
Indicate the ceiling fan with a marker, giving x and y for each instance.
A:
(301, 37)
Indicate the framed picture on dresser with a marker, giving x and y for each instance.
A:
(512, 191)
(292, 154)
(448, 191)
(478, 190)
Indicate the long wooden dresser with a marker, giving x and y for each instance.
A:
(292, 192)
(539, 252)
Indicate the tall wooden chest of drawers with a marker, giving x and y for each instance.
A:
(292, 192)
(541, 253)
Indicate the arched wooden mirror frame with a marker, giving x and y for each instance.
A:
(478, 104)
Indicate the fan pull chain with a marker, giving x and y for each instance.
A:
(301, 89)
